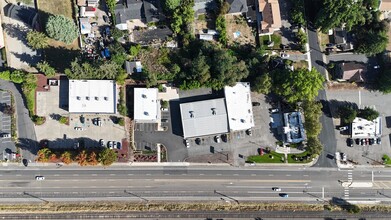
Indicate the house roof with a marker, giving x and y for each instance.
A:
(352, 71)
(151, 11)
(201, 6)
(239, 106)
(271, 16)
(339, 36)
(293, 127)
(133, 67)
(204, 118)
(362, 128)
(85, 26)
(237, 6)
(127, 10)
(146, 105)
(385, 5)
(92, 96)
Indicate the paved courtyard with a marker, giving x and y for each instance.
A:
(64, 136)
(370, 154)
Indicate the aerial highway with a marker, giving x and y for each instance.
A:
(187, 183)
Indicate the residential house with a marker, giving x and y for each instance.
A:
(269, 17)
(351, 72)
(85, 26)
(87, 11)
(130, 14)
(341, 39)
(237, 7)
(202, 6)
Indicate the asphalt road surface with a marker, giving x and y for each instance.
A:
(224, 184)
(327, 136)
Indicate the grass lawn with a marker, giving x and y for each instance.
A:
(276, 38)
(56, 7)
(291, 160)
(300, 64)
(277, 158)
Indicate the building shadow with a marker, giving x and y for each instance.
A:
(63, 95)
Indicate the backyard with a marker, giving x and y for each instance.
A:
(58, 51)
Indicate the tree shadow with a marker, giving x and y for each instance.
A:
(331, 107)
(60, 57)
(16, 31)
(345, 205)
(32, 60)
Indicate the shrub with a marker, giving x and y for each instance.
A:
(121, 122)
(46, 69)
(8, 110)
(66, 157)
(37, 40)
(5, 75)
(62, 29)
(107, 157)
(63, 120)
(38, 120)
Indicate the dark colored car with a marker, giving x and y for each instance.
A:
(256, 104)
(371, 141)
(358, 141)
(330, 45)
(378, 140)
(350, 142)
(25, 162)
(164, 120)
(106, 19)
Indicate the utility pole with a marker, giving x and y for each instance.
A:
(372, 176)
(323, 192)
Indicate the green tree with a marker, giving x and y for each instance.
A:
(331, 16)
(347, 114)
(312, 112)
(384, 81)
(297, 12)
(299, 85)
(199, 70)
(262, 84)
(170, 5)
(177, 21)
(6, 75)
(46, 69)
(314, 146)
(108, 70)
(368, 113)
(302, 39)
(18, 76)
(63, 120)
(371, 42)
(61, 28)
(37, 40)
(107, 157)
(134, 50)
(221, 27)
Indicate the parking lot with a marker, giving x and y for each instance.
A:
(368, 154)
(6, 144)
(65, 136)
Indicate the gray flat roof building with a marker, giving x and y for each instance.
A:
(204, 118)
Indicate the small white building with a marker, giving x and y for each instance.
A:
(239, 106)
(87, 11)
(362, 128)
(146, 105)
(92, 96)
(85, 26)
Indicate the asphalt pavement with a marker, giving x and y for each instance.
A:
(327, 136)
(187, 183)
(25, 127)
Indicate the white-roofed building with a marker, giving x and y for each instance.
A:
(239, 106)
(92, 96)
(146, 105)
(204, 118)
(362, 128)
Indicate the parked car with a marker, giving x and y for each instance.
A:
(277, 189)
(256, 104)
(119, 145)
(224, 137)
(376, 67)
(284, 55)
(164, 120)
(249, 132)
(350, 142)
(343, 128)
(110, 144)
(93, 24)
(217, 139)
(274, 110)
(106, 19)
(330, 45)
(5, 135)
(102, 142)
(358, 141)
(363, 142)
(39, 178)
(79, 128)
(25, 162)
(378, 140)
(371, 141)
(198, 141)
(98, 122)
(82, 119)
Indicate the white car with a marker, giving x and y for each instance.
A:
(187, 143)
(284, 55)
(277, 189)
(79, 128)
(217, 139)
(376, 67)
(344, 128)
(39, 178)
